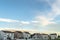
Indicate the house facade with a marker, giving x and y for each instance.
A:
(53, 36)
(8, 34)
(36, 36)
(26, 35)
(45, 36)
(18, 35)
(2, 35)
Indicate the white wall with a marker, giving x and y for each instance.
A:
(11, 35)
(23, 39)
(2, 35)
(26, 35)
(45, 37)
(53, 36)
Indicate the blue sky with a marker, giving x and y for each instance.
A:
(34, 15)
(21, 9)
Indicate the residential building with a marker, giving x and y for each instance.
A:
(8, 33)
(37, 36)
(2, 36)
(18, 35)
(45, 36)
(53, 36)
(26, 35)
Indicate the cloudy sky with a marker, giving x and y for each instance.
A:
(37, 15)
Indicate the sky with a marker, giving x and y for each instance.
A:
(32, 15)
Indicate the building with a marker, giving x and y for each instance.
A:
(36, 36)
(45, 36)
(18, 35)
(8, 34)
(26, 35)
(53, 36)
(2, 35)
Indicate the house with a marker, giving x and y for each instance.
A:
(1, 35)
(36, 36)
(45, 36)
(53, 36)
(18, 35)
(26, 35)
(8, 33)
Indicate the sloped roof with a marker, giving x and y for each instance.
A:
(53, 34)
(26, 32)
(18, 31)
(7, 31)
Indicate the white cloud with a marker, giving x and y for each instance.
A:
(50, 16)
(16, 23)
(55, 8)
(25, 22)
(34, 21)
(40, 20)
(44, 20)
(7, 20)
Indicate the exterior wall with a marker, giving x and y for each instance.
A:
(37, 37)
(4, 35)
(11, 35)
(45, 37)
(26, 35)
(53, 36)
(18, 35)
(24, 39)
(20, 39)
(1, 35)
(15, 34)
(27, 39)
(34, 37)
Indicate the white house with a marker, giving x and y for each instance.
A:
(53, 36)
(26, 35)
(8, 33)
(18, 35)
(36, 36)
(45, 36)
(2, 35)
